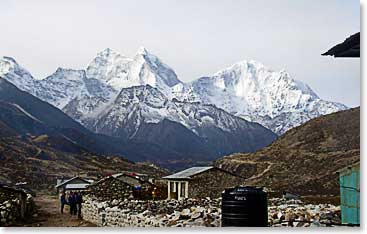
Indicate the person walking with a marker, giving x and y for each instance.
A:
(72, 204)
(75, 205)
(79, 201)
(62, 201)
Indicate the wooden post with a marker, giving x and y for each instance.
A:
(169, 190)
(187, 189)
(179, 191)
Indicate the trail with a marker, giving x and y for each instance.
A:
(48, 214)
(256, 176)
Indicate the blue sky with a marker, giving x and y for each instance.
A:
(196, 38)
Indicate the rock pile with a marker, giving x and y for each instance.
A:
(294, 213)
(163, 213)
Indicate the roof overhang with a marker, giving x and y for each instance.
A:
(69, 180)
(350, 48)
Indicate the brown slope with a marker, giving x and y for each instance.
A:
(305, 159)
(38, 162)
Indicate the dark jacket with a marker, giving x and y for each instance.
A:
(63, 199)
(78, 199)
(71, 199)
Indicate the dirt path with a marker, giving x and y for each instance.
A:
(256, 176)
(48, 214)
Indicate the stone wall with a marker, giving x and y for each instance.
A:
(200, 213)
(163, 213)
(211, 183)
(6, 195)
(10, 208)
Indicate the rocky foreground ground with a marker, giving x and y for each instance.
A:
(202, 213)
(295, 213)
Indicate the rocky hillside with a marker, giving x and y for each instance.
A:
(305, 159)
(38, 161)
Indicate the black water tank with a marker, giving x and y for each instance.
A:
(244, 207)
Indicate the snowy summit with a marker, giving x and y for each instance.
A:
(247, 89)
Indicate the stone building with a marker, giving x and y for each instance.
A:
(200, 182)
(121, 186)
(141, 188)
(133, 179)
(110, 188)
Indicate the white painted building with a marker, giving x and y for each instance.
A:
(178, 183)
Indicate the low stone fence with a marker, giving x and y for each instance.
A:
(10, 210)
(163, 213)
(199, 213)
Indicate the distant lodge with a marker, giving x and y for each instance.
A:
(75, 183)
(122, 186)
(200, 182)
(194, 182)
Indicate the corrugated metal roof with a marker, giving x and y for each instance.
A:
(76, 186)
(186, 174)
(131, 175)
(69, 180)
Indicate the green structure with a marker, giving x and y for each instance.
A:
(349, 179)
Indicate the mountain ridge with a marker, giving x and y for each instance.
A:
(132, 143)
(247, 89)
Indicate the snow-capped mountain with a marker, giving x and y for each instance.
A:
(152, 106)
(246, 89)
(65, 88)
(76, 94)
(140, 107)
(150, 124)
(17, 75)
(120, 72)
(252, 91)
